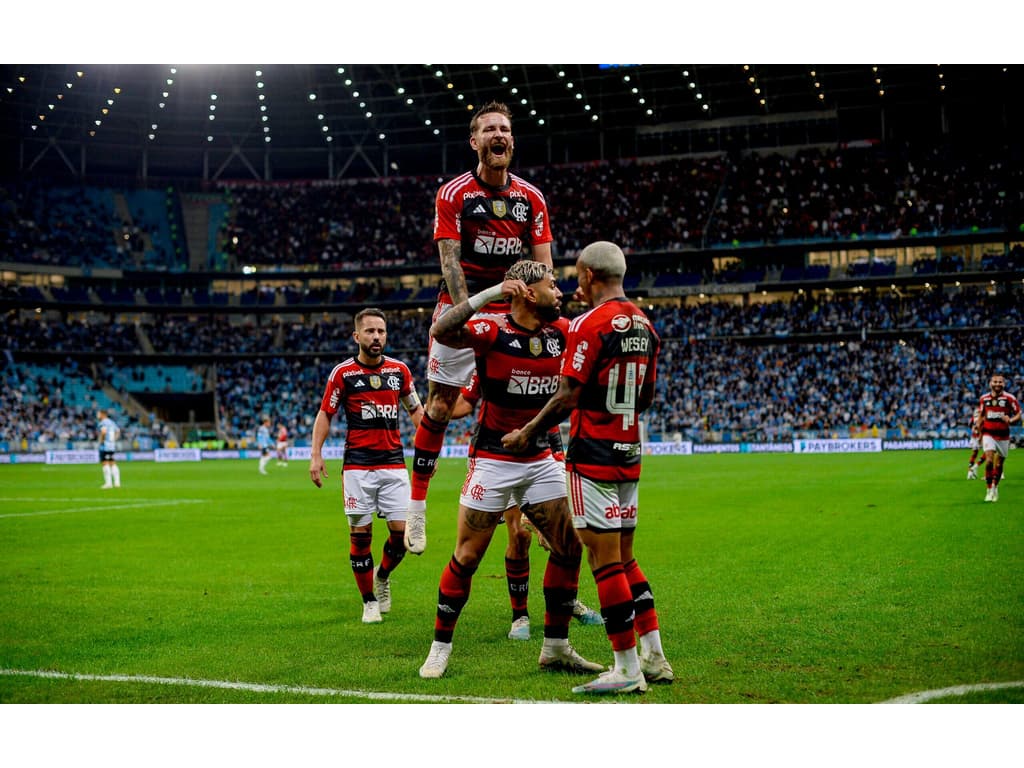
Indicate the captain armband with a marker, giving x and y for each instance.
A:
(411, 401)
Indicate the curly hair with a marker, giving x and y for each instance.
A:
(528, 271)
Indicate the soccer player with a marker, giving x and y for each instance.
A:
(520, 535)
(999, 409)
(608, 373)
(263, 443)
(484, 220)
(972, 472)
(370, 387)
(282, 445)
(108, 434)
(517, 362)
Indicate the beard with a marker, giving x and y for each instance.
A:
(496, 162)
(549, 314)
(372, 350)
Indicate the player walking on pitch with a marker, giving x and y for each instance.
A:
(375, 481)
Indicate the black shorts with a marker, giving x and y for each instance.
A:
(106, 455)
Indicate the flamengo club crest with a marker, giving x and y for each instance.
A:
(535, 347)
(375, 382)
(499, 208)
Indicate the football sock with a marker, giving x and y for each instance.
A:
(427, 446)
(116, 472)
(394, 553)
(643, 599)
(106, 474)
(517, 575)
(452, 595)
(361, 559)
(561, 584)
(616, 605)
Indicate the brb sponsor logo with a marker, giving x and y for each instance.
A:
(525, 384)
(379, 411)
(492, 245)
(621, 513)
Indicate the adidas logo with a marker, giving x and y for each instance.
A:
(359, 383)
(515, 344)
(645, 596)
(479, 209)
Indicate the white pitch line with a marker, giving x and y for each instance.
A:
(956, 690)
(264, 688)
(104, 507)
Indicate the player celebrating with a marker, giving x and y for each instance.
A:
(608, 374)
(108, 434)
(520, 536)
(517, 361)
(282, 445)
(263, 443)
(972, 472)
(369, 387)
(483, 221)
(999, 409)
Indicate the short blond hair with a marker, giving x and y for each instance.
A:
(605, 259)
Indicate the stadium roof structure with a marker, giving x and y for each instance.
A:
(286, 121)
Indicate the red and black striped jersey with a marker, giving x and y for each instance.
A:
(612, 353)
(518, 373)
(472, 395)
(493, 224)
(993, 406)
(370, 397)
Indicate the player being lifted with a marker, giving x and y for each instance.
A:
(370, 387)
(484, 221)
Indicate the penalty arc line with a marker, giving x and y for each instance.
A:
(266, 688)
(956, 690)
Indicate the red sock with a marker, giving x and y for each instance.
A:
(643, 599)
(426, 448)
(561, 584)
(361, 559)
(394, 552)
(517, 574)
(616, 605)
(452, 595)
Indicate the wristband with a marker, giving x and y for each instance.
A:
(485, 296)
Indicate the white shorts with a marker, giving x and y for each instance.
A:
(493, 486)
(282, 446)
(989, 443)
(601, 506)
(382, 491)
(446, 365)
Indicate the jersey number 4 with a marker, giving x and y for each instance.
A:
(623, 401)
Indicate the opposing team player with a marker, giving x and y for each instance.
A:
(484, 221)
(999, 410)
(108, 434)
(263, 443)
(517, 362)
(608, 374)
(370, 387)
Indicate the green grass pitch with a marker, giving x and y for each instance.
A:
(793, 579)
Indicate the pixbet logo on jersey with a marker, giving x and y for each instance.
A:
(497, 246)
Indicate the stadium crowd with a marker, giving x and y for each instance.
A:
(730, 371)
(658, 205)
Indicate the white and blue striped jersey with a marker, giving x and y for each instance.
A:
(108, 435)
